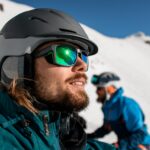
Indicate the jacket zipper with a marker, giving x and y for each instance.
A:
(46, 127)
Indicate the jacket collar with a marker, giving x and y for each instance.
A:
(10, 108)
(115, 97)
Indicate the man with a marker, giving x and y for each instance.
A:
(121, 114)
(44, 57)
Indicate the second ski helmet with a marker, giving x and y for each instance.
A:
(21, 35)
(105, 79)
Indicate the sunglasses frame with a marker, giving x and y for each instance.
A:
(51, 50)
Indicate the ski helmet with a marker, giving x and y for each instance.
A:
(21, 35)
(105, 79)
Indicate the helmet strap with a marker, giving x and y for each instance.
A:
(28, 71)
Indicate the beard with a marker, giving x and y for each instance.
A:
(101, 99)
(68, 102)
(61, 99)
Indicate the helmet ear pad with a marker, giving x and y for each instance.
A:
(17, 67)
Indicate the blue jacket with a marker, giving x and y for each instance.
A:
(124, 116)
(22, 130)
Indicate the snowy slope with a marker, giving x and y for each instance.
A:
(128, 57)
(10, 9)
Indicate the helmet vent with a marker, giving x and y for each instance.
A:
(39, 19)
(56, 13)
(66, 30)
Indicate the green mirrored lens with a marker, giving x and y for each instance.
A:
(66, 55)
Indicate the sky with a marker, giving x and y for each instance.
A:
(116, 18)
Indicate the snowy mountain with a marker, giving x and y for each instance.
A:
(10, 9)
(129, 57)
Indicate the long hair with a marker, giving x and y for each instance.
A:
(20, 95)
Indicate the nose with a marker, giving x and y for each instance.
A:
(80, 66)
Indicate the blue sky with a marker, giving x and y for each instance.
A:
(117, 18)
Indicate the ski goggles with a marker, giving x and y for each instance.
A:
(95, 79)
(62, 54)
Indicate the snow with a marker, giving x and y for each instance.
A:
(10, 10)
(128, 57)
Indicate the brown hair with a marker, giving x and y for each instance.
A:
(20, 95)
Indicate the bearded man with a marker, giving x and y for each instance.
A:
(44, 57)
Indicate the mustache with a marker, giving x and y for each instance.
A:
(77, 76)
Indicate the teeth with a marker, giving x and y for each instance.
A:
(77, 83)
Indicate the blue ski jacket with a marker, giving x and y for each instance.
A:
(124, 116)
(22, 130)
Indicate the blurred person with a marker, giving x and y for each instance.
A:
(44, 57)
(122, 114)
(1, 7)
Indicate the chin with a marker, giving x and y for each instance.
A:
(80, 101)
(67, 100)
(73, 100)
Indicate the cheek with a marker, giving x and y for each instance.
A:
(57, 75)
(53, 79)
(51, 73)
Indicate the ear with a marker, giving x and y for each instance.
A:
(111, 89)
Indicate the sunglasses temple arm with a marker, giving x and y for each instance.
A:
(42, 52)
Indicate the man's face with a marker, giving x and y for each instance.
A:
(101, 92)
(61, 88)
